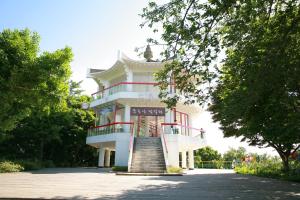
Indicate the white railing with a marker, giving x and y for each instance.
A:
(165, 148)
(127, 87)
(131, 145)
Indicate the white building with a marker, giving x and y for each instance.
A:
(128, 109)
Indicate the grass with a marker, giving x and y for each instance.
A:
(120, 168)
(172, 169)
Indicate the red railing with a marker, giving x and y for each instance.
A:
(184, 130)
(119, 127)
(118, 87)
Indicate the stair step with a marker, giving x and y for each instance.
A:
(148, 156)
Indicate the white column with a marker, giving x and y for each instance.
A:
(168, 119)
(101, 157)
(106, 85)
(107, 158)
(127, 118)
(173, 150)
(129, 79)
(191, 159)
(183, 157)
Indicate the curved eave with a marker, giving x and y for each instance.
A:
(142, 65)
(115, 70)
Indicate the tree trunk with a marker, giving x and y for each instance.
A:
(285, 160)
(286, 165)
(42, 150)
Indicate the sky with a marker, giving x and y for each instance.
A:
(96, 30)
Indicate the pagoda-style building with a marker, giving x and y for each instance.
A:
(133, 127)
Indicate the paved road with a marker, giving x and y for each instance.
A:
(80, 183)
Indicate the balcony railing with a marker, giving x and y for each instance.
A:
(116, 127)
(175, 128)
(126, 87)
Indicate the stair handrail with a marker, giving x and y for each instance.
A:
(164, 146)
(131, 142)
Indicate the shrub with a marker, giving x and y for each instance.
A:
(172, 169)
(8, 166)
(120, 168)
(271, 168)
(48, 164)
(30, 164)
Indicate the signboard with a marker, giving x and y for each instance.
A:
(147, 111)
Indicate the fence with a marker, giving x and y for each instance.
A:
(215, 164)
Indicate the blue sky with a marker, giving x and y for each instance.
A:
(95, 30)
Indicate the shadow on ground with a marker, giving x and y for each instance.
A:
(71, 170)
(214, 186)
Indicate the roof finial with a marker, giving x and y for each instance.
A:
(148, 53)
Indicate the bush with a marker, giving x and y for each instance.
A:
(172, 169)
(30, 164)
(120, 168)
(271, 168)
(48, 164)
(8, 166)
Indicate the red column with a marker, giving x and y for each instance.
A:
(138, 127)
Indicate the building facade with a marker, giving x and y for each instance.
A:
(128, 109)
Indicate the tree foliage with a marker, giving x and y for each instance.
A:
(41, 117)
(255, 89)
(30, 80)
(58, 137)
(235, 154)
(208, 154)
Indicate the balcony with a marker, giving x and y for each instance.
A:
(140, 87)
(116, 127)
(179, 129)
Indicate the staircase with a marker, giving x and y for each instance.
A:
(148, 155)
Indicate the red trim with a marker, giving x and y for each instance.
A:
(174, 110)
(180, 120)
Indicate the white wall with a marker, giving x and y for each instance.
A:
(122, 150)
(179, 143)
(121, 145)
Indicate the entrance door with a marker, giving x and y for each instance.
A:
(148, 126)
(147, 120)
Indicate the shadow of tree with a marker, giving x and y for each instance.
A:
(226, 186)
(211, 186)
(71, 170)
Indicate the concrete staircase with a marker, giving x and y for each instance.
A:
(148, 155)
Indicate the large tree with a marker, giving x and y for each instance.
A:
(30, 80)
(254, 88)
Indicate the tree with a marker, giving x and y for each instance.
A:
(235, 154)
(59, 137)
(254, 91)
(208, 154)
(30, 80)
